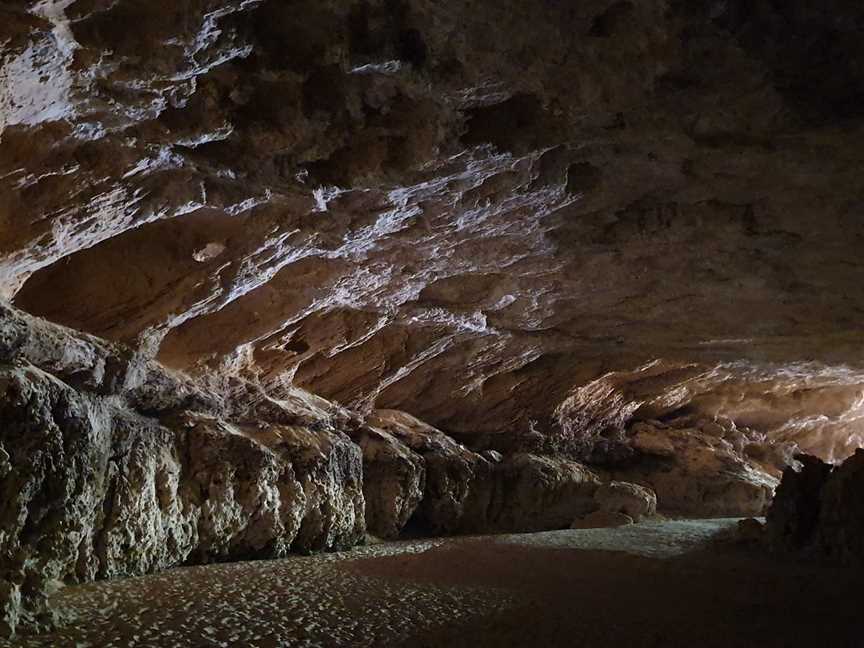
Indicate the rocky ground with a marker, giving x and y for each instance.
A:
(649, 585)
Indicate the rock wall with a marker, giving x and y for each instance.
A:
(463, 491)
(818, 512)
(460, 210)
(112, 465)
(697, 474)
(622, 234)
(100, 480)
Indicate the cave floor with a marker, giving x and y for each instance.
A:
(655, 584)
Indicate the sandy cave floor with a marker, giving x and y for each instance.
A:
(655, 584)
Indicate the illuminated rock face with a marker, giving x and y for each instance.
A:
(460, 211)
(622, 234)
(112, 465)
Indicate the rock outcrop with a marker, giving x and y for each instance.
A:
(466, 492)
(634, 501)
(394, 479)
(582, 240)
(112, 465)
(694, 473)
(95, 485)
(818, 510)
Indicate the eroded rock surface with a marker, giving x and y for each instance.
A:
(468, 492)
(112, 465)
(114, 478)
(463, 211)
(621, 234)
(635, 501)
(394, 481)
(818, 510)
(692, 472)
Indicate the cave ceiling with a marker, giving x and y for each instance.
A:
(469, 211)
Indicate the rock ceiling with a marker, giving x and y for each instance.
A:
(495, 216)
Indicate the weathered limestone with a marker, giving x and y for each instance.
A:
(635, 501)
(583, 240)
(466, 492)
(841, 515)
(394, 480)
(459, 210)
(694, 473)
(794, 514)
(111, 465)
(94, 490)
(114, 478)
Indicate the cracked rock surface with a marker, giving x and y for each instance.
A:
(275, 274)
(462, 211)
(113, 466)
(99, 485)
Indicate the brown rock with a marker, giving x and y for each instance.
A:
(794, 515)
(818, 512)
(631, 499)
(464, 492)
(695, 474)
(439, 210)
(840, 531)
(442, 209)
(94, 488)
(394, 479)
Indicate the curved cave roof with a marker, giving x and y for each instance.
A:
(500, 217)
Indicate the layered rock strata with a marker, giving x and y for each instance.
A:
(464, 491)
(115, 468)
(111, 465)
(617, 234)
(460, 210)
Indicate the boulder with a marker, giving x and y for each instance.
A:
(466, 492)
(394, 479)
(818, 510)
(454, 489)
(795, 512)
(696, 474)
(631, 499)
(840, 525)
(530, 492)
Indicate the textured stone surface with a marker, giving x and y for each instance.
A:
(465, 492)
(692, 471)
(793, 518)
(112, 465)
(632, 500)
(118, 477)
(818, 510)
(394, 479)
(622, 234)
(463, 211)
(841, 515)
